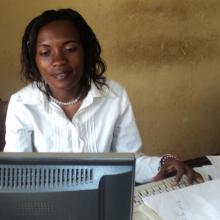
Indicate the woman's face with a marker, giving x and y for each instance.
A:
(60, 56)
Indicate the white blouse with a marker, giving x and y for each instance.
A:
(104, 122)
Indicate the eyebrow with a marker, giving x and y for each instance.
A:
(66, 42)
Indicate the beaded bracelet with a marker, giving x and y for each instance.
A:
(165, 157)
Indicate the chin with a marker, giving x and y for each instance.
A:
(65, 85)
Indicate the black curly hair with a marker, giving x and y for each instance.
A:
(94, 64)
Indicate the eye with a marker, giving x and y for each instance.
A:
(44, 53)
(70, 49)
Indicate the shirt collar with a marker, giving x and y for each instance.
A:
(95, 93)
(33, 96)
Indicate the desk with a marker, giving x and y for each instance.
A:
(187, 201)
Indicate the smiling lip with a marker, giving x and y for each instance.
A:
(59, 75)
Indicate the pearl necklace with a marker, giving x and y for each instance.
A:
(71, 102)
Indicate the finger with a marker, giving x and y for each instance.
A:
(160, 175)
(179, 173)
(190, 175)
(198, 178)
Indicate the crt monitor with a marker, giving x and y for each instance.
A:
(66, 186)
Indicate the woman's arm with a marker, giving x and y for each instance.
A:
(18, 128)
(126, 138)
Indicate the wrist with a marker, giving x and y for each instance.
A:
(165, 158)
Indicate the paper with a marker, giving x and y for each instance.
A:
(197, 202)
(215, 160)
(143, 212)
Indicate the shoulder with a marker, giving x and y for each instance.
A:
(111, 89)
(115, 91)
(29, 94)
(115, 88)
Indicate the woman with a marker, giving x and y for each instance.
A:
(69, 105)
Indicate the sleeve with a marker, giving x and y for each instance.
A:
(146, 168)
(126, 138)
(18, 136)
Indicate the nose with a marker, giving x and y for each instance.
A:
(59, 59)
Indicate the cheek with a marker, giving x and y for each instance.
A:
(42, 66)
(81, 59)
(81, 64)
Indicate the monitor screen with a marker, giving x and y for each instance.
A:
(66, 186)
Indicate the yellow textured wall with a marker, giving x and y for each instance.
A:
(166, 53)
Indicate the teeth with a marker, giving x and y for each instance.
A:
(60, 76)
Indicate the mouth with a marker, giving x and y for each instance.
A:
(60, 75)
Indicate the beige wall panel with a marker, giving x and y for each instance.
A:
(166, 53)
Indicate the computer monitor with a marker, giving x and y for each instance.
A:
(66, 186)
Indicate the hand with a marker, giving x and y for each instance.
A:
(173, 165)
